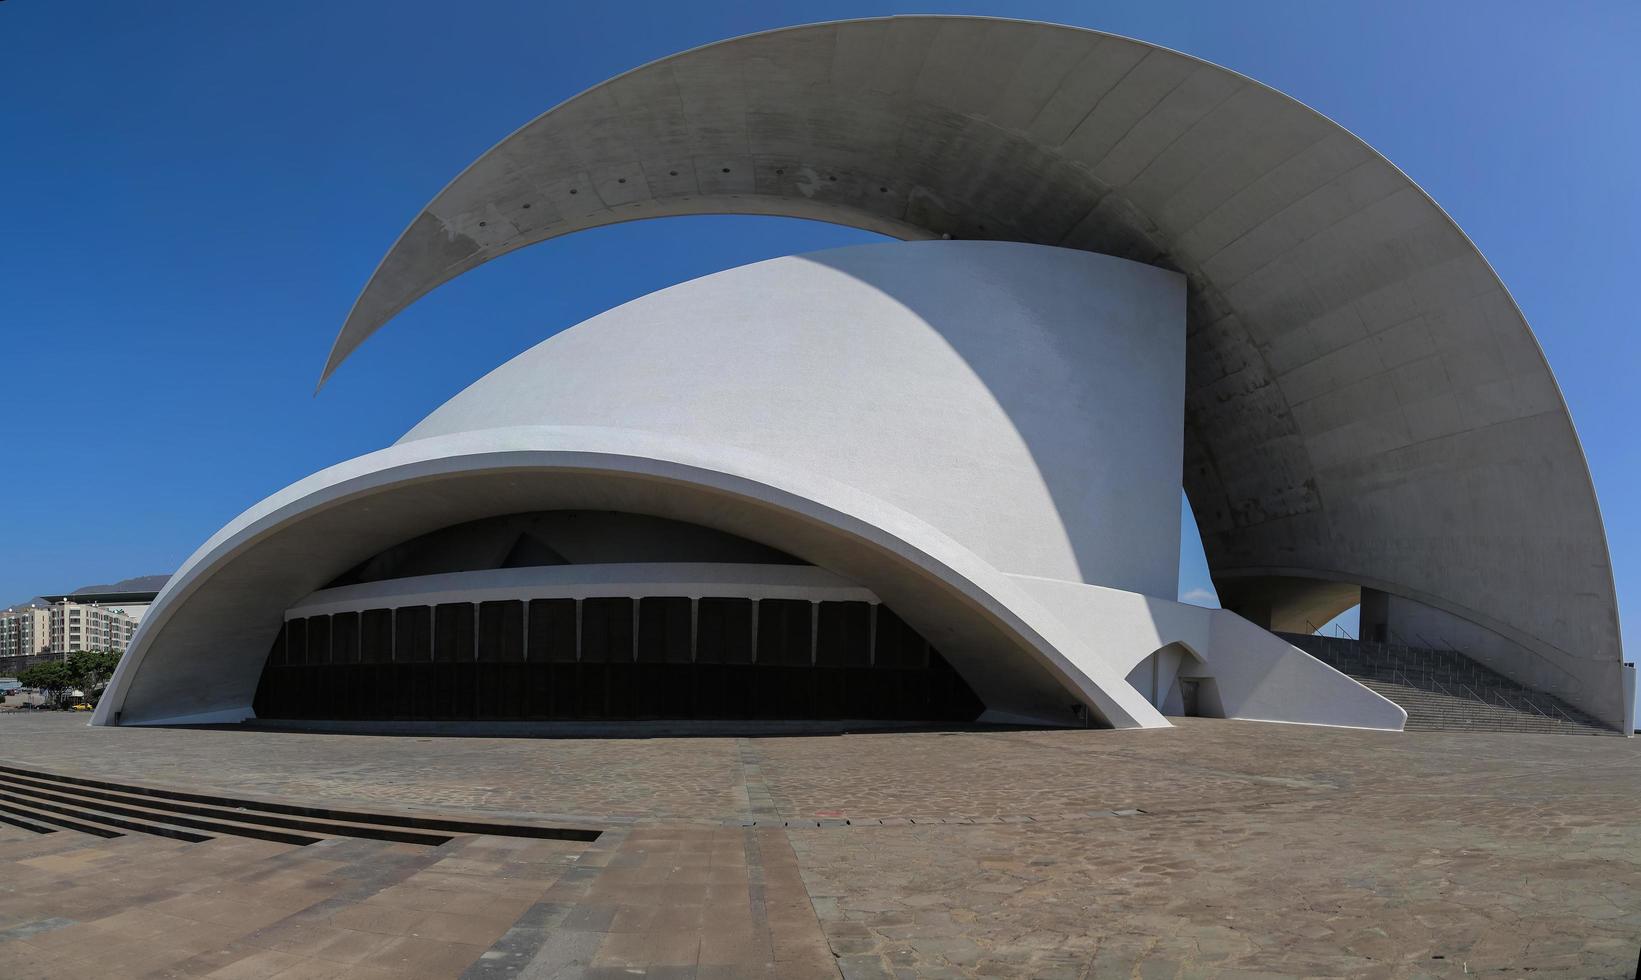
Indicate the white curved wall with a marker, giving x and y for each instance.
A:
(200, 651)
(1366, 403)
(1026, 400)
(986, 436)
(1257, 676)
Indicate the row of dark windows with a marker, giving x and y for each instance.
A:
(666, 629)
(612, 691)
(522, 661)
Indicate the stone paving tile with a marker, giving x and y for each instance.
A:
(251, 909)
(1217, 849)
(603, 778)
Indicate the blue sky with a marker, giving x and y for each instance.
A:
(195, 193)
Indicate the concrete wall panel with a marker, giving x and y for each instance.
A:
(198, 654)
(1052, 448)
(1256, 676)
(1297, 241)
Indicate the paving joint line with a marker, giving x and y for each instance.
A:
(760, 803)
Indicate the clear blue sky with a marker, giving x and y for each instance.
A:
(195, 192)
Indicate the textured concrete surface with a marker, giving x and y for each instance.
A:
(1049, 449)
(1212, 849)
(232, 593)
(1364, 402)
(134, 906)
(1020, 513)
(1052, 450)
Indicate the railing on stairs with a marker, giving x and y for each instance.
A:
(1443, 671)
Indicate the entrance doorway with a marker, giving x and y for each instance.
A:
(1189, 698)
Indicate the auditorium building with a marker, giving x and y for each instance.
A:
(936, 479)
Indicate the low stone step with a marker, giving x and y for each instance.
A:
(147, 820)
(158, 797)
(21, 823)
(96, 825)
(235, 817)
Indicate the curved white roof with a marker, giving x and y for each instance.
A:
(1365, 403)
(1012, 496)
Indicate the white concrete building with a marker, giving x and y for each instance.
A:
(88, 625)
(930, 479)
(25, 631)
(66, 624)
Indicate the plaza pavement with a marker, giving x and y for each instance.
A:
(1216, 849)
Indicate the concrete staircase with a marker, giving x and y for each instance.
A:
(45, 803)
(1444, 690)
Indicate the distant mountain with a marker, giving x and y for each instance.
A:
(142, 583)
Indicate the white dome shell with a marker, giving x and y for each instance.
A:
(984, 435)
(1025, 400)
(1365, 404)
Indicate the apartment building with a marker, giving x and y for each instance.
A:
(25, 631)
(79, 626)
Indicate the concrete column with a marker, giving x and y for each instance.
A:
(1626, 677)
(1374, 625)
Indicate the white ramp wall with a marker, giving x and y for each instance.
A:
(1256, 676)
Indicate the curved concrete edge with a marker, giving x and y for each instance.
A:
(693, 580)
(173, 641)
(1297, 480)
(1049, 448)
(349, 340)
(1257, 676)
(441, 250)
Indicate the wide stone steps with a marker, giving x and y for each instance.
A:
(49, 819)
(1444, 689)
(1435, 711)
(44, 802)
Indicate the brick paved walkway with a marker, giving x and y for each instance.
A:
(1215, 849)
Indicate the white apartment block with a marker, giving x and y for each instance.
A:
(25, 631)
(64, 627)
(80, 626)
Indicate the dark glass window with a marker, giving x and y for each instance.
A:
(606, 630)
(843, 637)
(413, 635)
(344, 638)
(319, 631)
(552, 630)
(784, 632)
(296, 641)
(664, 629)
(376, 636)
(501, 632)
(898, 645)
(453, 632)
(723, 631)
(457, 661)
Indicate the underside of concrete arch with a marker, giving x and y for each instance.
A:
(1364, 403)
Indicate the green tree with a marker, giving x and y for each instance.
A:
(91, 670)
(54, 678)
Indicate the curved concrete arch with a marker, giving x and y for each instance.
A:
(1301, 600)
(1051, 449)
(1363, 395)
(217, 617)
